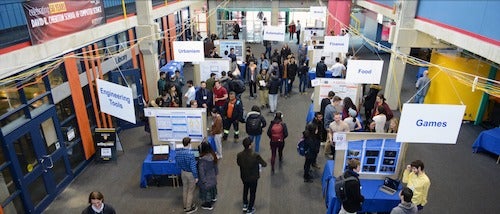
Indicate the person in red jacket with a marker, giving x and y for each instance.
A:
(291, 30)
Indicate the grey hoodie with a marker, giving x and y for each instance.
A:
(405, 208)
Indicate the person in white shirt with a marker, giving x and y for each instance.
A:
(379, 120)
(338, 69)
(190, 93)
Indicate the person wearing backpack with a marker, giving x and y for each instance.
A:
(232, 115)
(277, 132)
(354, 199)
(311, 147)
(254, 124)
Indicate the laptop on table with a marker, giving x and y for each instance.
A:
(390, 186)
(160, 152)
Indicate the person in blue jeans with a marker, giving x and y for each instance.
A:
(302, 73)
(255, 122)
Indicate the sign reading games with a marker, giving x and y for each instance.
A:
(49, 19)
(430, 123)
(189, 51)
(116, 100)
(274, 33)
(337, 44)
(364, 71)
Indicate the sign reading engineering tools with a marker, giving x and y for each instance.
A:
(336, 44)
(189, 51)
(430, 123)
(364, 71)
(116, 100)
(274, 33)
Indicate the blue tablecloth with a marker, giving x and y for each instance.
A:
(488, 140)
(166, 167)
(243, 70)
(312, 74)
(171, 66)
(375, 200)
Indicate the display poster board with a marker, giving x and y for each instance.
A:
(189, 51)
(338, 44)
(105, 141)
(116, 100)
(173, 124)
(364, 71)
(274, 33)
(213, 65)
(339, 86)
(238, 45)
(430, 123)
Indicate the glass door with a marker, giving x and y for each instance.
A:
(39, 161)
(131, 78)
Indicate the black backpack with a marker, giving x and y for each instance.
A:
(340, 190)
(253, 123)
(238, 86)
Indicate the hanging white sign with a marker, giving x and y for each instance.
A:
(116, 100)
(317, 13)
(337, 44)
(189, 51)
(430, 123)
(364, 71)
(274, 33)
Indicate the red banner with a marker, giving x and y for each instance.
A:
(49, 19)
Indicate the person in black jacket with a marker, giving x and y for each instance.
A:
(321, 68)
(204, 97)
(274, 85)
(311, 147)
(254, 123)
(353, 188)
(232, 114)
(96, 201)
(292, 72)
(249, 163)
(302, 72)
(369, 103)
(320, 133)
(277, 136)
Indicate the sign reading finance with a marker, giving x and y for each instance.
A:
(188, 51)
(430, 123)
(274, 33)
(364, 71)
(116, 100)
(49, 19)
(336, 44)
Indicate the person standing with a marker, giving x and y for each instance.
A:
(320, 132)
(268, 46)
(252, 78)
(422, 85)
(311, 147)
(369, 101)
(190, 93)
(211, 82)
(216, 131)
(220, 96)
(292, 72)
(380, 101)
(263, 82)
(338, 69)
(236, 30)
(406, 206)
(298, 31)
(352, 188)
(207, 167)
(162, 82)
(186, 161)
(302, 73)
(96, 205)
(336, 126)
(415, 178)
(255, 122)
(204, 97)
(274, 85)
(291, 30)
(249, 163)
(233, 58)
(379, 120)
(321, 68)
(232, 115)
(277, 132)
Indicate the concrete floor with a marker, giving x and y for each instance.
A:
(462, 182)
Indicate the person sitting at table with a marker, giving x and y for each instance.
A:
(96, 201)
(406, 206)
(415, 178)
(354, 199)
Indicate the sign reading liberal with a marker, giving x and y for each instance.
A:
(336, 44)
(364, 71)
(49, 19)
(274, 33)
(430, 123)
(189, 51)
(116, 100)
